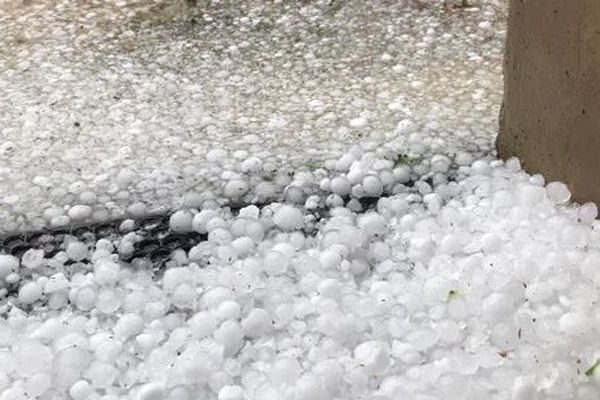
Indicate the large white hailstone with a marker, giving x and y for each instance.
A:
(235, 188)
(310, 388)
(587, 213)
(128, 325)
(80, 390)
(202, 324)
(37, 384)
(330, 288)
(359, 122)
(79, 212)
(497, 307)
(173, 277)
(330, 259)
(288, 218)
(256, 323)
(372, 224)
(344, 162)
(294, 194)
(181, 221)
(440, 163)
(77, 251)
(229, 309)
(373, 355)
(524, 389)
(101, 374)
(284, 371)
(151, 391)
(490, 242)
(33, 259)
(230, 335)
(8, 264)
(450, 244)
(231, 392)
(276, 262)
(251, 164)
(405, 127)
(30, 293)
(372, 186)
(107, 301)
(574, 323)
(558, 192)
(216, 155)
(106, 272)
(530, 195)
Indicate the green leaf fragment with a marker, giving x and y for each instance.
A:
(590, 371)
(452, 294)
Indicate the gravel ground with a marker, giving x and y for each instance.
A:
(113, 106)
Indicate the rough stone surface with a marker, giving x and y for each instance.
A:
(551, 117)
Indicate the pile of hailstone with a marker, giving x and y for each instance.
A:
(464, 280)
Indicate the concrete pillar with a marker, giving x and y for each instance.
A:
(551, 112)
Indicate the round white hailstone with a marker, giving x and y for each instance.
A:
(355, 176)
(250, 212)
(497, 307)
(216, 155)
(231, 392)
(226, 254)
(33, 259)
(359, 123)
(523, 389)
(200, 220)
(373, 355)
(235, 188)
(450, 244)
(215, 296)
(354, 205)
(228, 309)
(101, 374)
(251, 164)
(129, 325)
(490, 243)
(330, 259)
(284, 371)
(276, 262)
(440, 163)
(105, 244)
(531, 195)
(61, 220)
(587, 213)
(36, 385)
(173, 277)
(230, 335)
(243, 245)
(574, 323)
(8, 264)
(480, 167)
(405, 126)
(106, 272)
(192, 200)
(127, 226)
(266, 191)
(85, 298)
(80, 390)
(107, 301)
(372, 186)
(77, 251)
(344, 162)
(558, 192)
(333, 200)
(288, 218)
(181, 221)
(310, 388)
(30, 293)
(294, 194)
(257, 323)
(183, 296)
(202, 324)
(80, 212)
(330, 288)
(379, 251)
(372, 224)
(151, 391)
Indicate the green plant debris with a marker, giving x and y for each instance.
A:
(590, 371)
(312, 165)
(401, 159)
(452, 294)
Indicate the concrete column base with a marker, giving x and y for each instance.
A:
(551, 112)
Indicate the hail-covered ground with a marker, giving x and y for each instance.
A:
(339, 228)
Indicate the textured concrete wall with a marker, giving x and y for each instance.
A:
(551, 112)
